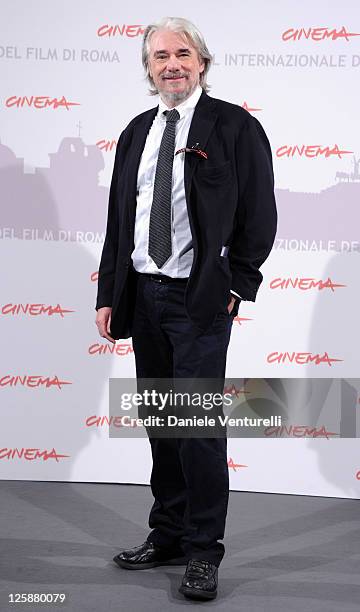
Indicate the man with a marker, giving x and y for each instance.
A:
(191, 219)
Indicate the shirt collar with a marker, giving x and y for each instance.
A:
(183, 108)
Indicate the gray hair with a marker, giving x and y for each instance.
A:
(194, 36)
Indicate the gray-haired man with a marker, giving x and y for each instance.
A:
(186, 235)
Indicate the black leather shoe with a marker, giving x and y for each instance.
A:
(200, 580)
(148, 555)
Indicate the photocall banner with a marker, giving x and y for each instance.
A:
(72, 79)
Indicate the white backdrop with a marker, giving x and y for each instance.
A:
(71, 80)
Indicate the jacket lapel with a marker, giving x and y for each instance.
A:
(202, 123)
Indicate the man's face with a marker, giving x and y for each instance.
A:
(174, 66)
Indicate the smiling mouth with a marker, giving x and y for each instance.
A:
(174, 78)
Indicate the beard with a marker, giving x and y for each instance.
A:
(172, 98)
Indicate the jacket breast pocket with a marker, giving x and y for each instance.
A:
(214, 174)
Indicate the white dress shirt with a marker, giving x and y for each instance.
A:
(179, 263)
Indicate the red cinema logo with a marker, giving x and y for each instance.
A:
(121, 349)
(32, 381)
(233, 465)
(317, 34)
(34, 310)
(304, 284)
(301, 358)
(29, 454)
(357, 475)
(131, 31)
(39, 102)
(249, 108)
(106, 145)
(234, 391)
(310, 151)
(299, 431)
(100, 421)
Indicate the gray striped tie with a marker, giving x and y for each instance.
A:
(160, 216)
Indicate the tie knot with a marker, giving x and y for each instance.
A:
(172, 116)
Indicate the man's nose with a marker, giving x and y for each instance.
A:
(173, 63)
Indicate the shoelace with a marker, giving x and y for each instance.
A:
(196, 568)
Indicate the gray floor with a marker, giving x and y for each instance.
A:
(283, 552)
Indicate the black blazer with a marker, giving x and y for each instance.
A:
(230, 201)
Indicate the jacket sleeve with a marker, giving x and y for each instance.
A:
(256, 218)
(109, 253)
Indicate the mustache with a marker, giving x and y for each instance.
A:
(171, 75)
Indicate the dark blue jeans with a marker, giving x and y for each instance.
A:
(189, 479)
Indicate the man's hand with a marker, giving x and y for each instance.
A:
(231, 304)
(103, 320)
